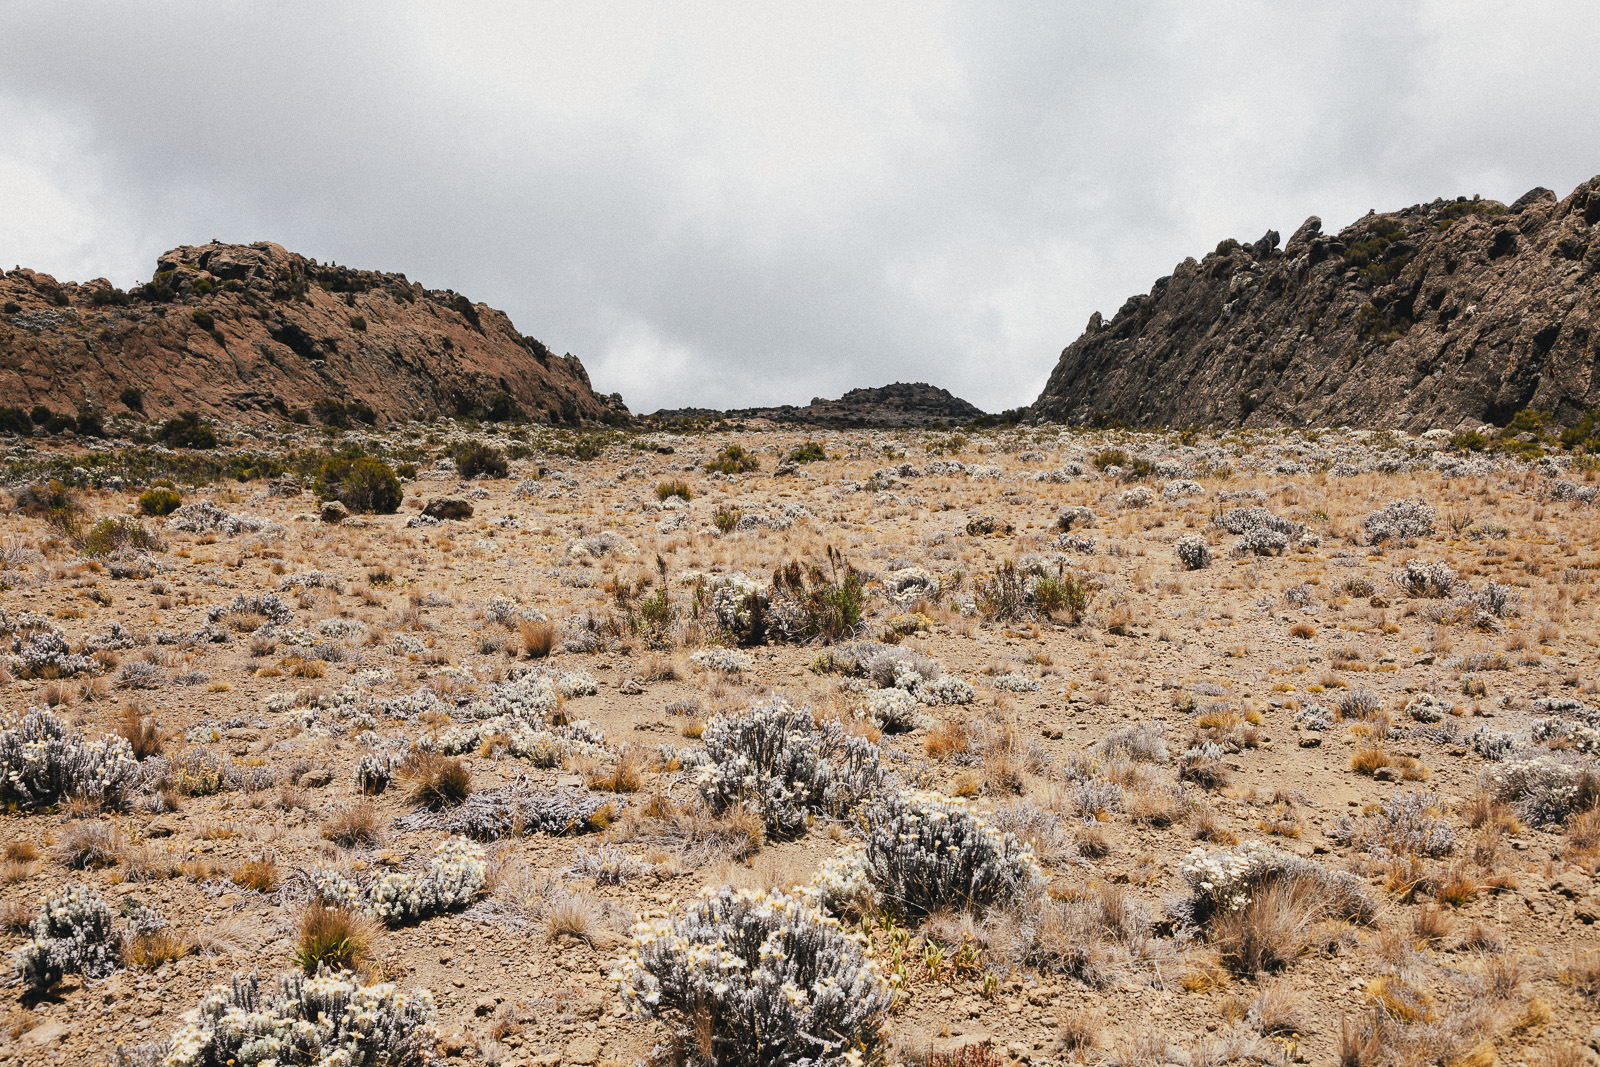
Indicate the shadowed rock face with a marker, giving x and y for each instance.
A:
(237, 331)
(1440, 314)
(897, 404)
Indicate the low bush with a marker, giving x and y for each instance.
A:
(325, 1019)
(808, 603)
(187, 430)
(112, 534)
(926, 853)
(159, 501)
(41, 763)
(1193, 553)
(675, 488)
(360, 483)
(747, 978)
(1400, 520)
(733, 459)
(776, 760)
(453, 880)
(474, 458)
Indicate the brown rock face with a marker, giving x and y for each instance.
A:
(1443, 313)
(253, 330)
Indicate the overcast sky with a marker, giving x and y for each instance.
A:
(744, 203)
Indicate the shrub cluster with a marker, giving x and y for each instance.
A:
(40, 763)
(925, 852)
(474, 458)
(1545, 789)
(72, 934)
(454, 878)
(1400, 520)
(1405, 824)
(776, 759)
(1193, 553)
(159, 501)
(360, 483)
(327, 1019)
(1225, 880)
(778, 981)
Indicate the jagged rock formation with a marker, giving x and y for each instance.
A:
(897, 404)
(1441, 314)
(242, 330)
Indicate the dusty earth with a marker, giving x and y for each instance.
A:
(1488, 937)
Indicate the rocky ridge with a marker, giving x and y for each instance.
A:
(1442, 314)
(896, 404)
(255, 330)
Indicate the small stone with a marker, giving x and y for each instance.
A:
(583, 1051)
(1311, 741)
(316, 779)
(44, 1034)
(1385, 774)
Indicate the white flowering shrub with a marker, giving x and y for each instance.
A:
(41, 763)
(1137, 497)
(1248, 520)
(1418, 579)
(778, 981)
(1224, 880)
(203, 516)
(1260, 542)
(72, 934)
(1015, 683)
(926, 852)
(330, 1020)
(1544, 789)
(895, 711)
(375, 770)
(268, 605)
(944, 690)
(843, 885)
(455, 877)
(45, 654)
(1141, 742)
(1404, 824)
(777, 760)
(723, 661)
(1566, 734)
(1497, 600)
(311, 580)
(511, 810)
(1492, 745)
(1400, 520)
(1181, 487)
(1193, 552)
(1425, 707)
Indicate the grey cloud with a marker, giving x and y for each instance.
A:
(738, 204)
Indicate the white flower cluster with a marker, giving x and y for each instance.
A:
(909, 584)
(945, 689)
(1493, 745)
(1226, 879)
(41, 763)
(203, 516)
(268, 605)
(330, 1020)
(895, 711)
(543, 746)
(1425, 707)
(1181, 487)
(925, 852)
(1415, 578)
(1193, 552)
(374, 770)
(71, 935)
(1400, 520)
(723, 660)
(456, 875)
(843, 884)
(311, 580)
(341, 628)
(45, 654)
(775, 759)
(1016, 683)
(1543, 789)
(1137, 497)
(1564, 733)
(784, 983)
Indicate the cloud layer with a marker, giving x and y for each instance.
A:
(737, 204)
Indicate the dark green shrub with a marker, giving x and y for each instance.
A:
(133, 398)
(187, 430)
(12, 307)
(15, 420)
(362, 411)
(91, 423)
(300, 417)
(1066, 595)
(331, 412)
(407, 471)
(810, 452)
(733, 460)
(360, 483)
(1468, 441)
(474, 458)
(725, 518)
(203, 319)
(502, 408)
(40, 414)
(53, 502)
(51, 421)
(675, 488)
(358, 323)
(1110, 457)
(1583, 434)
(159, 501)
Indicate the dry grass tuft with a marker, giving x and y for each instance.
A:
(441, 782)
(141, 732)
(1270, 931)
(89, 844)
(538, 637)
(626, 775)
(337, 938)
(158, 947)
(353, 825)
(259, 875)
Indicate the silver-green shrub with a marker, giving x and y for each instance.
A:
(926, 852)
(72, 934)
(330, 1020)
(41, 763)
(776, 759)
(779, 982)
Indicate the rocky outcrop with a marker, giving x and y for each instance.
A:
(1458, 311)
(244, 331)
(897, 404)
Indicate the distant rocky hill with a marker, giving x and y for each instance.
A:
(254, 330)
(898, 404)
(1457, 311)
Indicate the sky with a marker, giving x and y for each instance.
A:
(740, 204)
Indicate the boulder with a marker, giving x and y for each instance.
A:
(448, 507)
